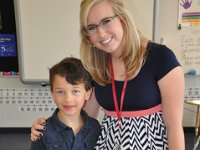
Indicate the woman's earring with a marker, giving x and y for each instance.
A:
(92, 45)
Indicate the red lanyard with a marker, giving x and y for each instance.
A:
(115, 96)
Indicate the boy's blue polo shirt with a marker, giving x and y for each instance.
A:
(58, 136)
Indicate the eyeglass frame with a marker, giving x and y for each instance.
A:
(101, 24)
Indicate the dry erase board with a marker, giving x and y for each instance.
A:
(48, 31)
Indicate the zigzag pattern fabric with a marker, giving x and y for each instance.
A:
(137, 133)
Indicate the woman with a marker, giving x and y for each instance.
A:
(134, 81)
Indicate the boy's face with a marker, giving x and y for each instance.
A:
(69, 98)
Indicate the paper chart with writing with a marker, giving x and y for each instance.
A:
(190, 50)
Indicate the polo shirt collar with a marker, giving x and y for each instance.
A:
(60, 126)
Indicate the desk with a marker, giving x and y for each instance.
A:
(197, 103)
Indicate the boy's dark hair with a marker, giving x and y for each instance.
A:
(73, 71)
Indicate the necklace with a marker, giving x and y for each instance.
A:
(117, 109)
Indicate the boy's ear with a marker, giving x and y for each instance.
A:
(88, 94)
(52, 95)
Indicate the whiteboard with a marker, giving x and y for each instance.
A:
(48, 31)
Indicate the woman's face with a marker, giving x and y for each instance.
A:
(105, 28)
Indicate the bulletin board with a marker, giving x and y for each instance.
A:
(48, 31)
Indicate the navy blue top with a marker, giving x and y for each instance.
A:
(142, 92)
(58, 136)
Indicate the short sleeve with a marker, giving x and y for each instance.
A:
(163, 60)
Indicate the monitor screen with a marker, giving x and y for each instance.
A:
(8, 43)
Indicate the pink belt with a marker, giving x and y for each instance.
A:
(137, 113)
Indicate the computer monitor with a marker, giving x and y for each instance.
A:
(8, 43)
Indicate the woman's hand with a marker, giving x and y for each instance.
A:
(36, 128)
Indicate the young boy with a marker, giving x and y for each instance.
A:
(69, 128)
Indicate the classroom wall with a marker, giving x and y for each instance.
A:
(23, 114)
(189, 116)
(21, 104)
(170, 36)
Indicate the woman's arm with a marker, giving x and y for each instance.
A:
(172, 92)
(92, 107)
(37, 125)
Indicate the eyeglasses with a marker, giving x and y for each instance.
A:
(105, 24)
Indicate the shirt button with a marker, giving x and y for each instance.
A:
(71, 140)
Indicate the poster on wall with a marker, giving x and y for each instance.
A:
(189, 13)
(190, 50)
(189, 26)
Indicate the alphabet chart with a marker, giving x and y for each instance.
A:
(28, 99)
(21, 104)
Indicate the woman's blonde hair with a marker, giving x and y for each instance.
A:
(97, 61)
